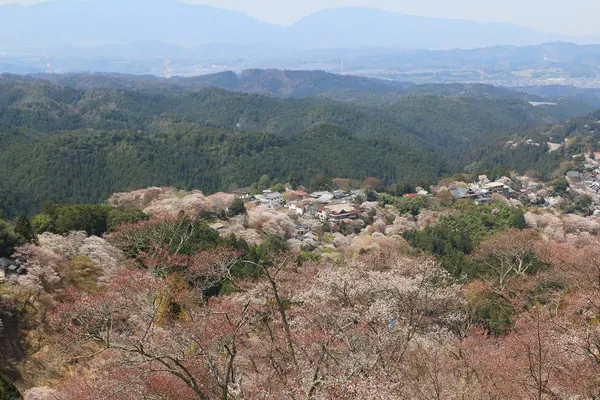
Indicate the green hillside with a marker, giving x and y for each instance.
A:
(73, 145)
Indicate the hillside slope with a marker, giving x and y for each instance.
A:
(79, 145)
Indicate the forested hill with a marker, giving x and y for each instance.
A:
(78, 167)
(302, 84)
(261, 81)
(569, 141)
(423, 120)
(70, 144)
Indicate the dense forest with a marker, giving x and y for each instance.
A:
(79, 144)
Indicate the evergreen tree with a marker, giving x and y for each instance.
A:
(320, 182)
(371, 195)
(263, 183)
(237, 207)
(24, 229)
(294, 180)
(8, 239)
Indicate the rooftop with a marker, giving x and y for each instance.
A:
(270, 196)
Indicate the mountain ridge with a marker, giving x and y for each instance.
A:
(194, 24)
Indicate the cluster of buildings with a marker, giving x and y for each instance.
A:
(481, 192)
(333, 207)
(327, 206)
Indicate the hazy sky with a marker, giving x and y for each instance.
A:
(572, 17)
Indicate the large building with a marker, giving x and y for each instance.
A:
(338, 212)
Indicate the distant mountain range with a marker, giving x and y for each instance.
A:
(98, 23)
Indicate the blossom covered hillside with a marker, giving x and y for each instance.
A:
(182, 295)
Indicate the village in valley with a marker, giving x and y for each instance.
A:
(350, 217)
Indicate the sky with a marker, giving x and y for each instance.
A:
(567, 17)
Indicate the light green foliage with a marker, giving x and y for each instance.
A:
(454, 237)
(94, 219)
(119, 216)
(278, 187)
(309, 256)
(42, 223)
(405, 205)
(81, 217)
(83, 273)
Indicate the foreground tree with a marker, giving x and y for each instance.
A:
(237, 207)
(509, 254)
(153, 330)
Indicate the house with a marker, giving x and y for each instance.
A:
(242, 193)
(271, 198)
(9, 267)
(463, 193)
(513, 194)
(323, 214)
(316, 195)
(325, 198)
(496, 187)
(296, 207)
(338, 212)
(302, 207)
(302, 229)
(311, 236)
(339, 194)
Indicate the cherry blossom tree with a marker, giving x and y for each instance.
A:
(179, 234)
(153, 329)
(271, 222)
(509, 254)
(299, 332)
